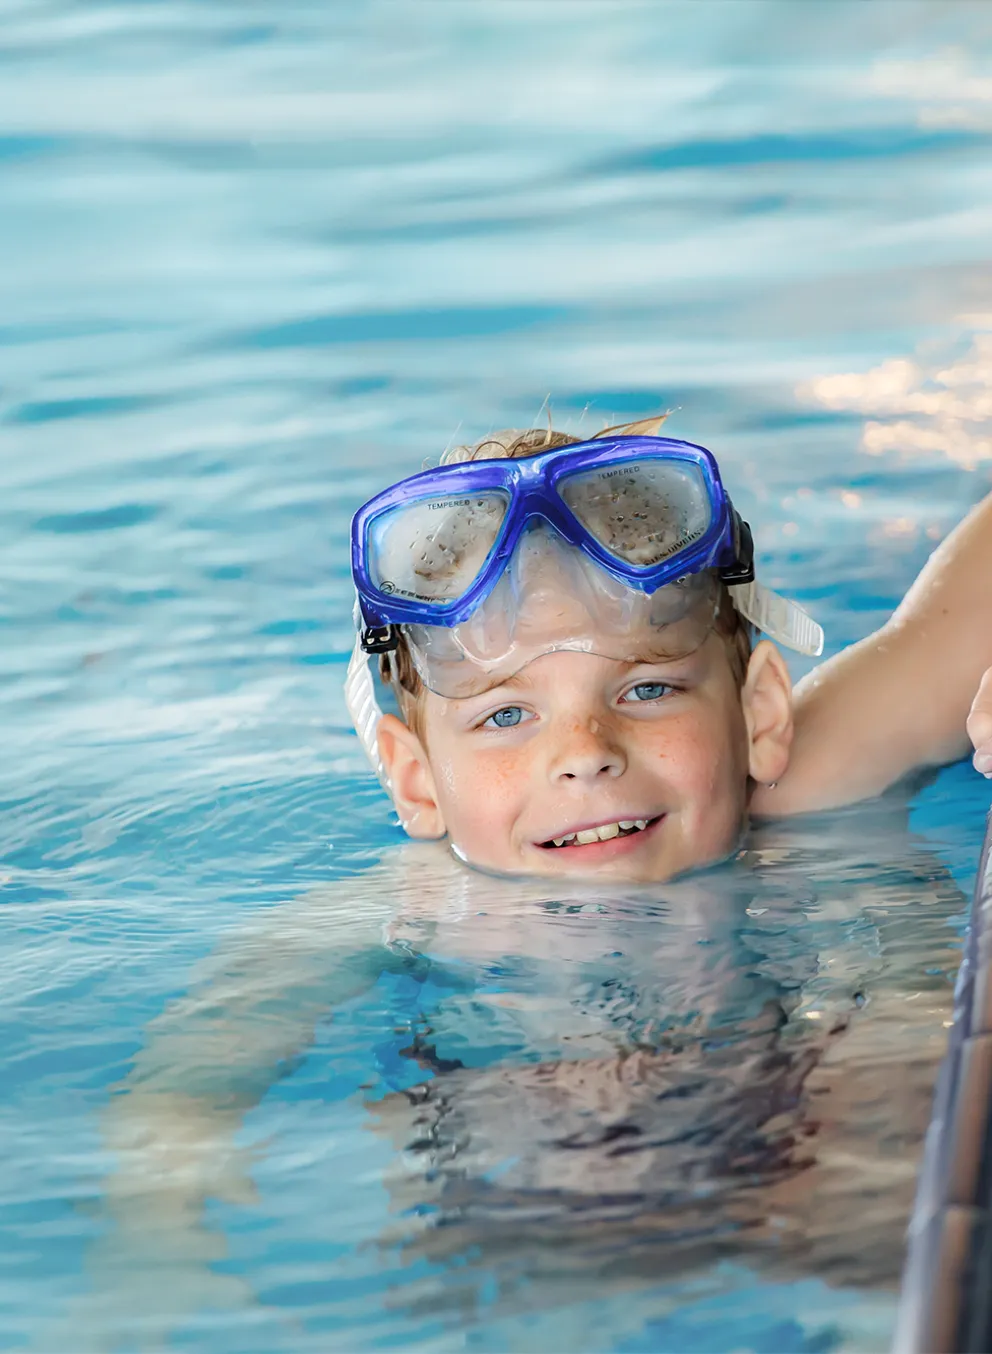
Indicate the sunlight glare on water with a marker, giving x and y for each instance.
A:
(259, 261)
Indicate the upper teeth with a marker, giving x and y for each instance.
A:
(601, 834)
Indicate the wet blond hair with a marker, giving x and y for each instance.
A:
(397, 669)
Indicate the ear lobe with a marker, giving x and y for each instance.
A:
(767, 703)
(411, 783)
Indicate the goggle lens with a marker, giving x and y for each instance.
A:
(641, 511)
(434, 550)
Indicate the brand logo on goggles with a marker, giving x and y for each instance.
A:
(392, 589)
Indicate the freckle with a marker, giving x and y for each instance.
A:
(501, 774)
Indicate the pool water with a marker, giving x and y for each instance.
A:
(259, 261)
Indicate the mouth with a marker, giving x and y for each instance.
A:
(584, 838)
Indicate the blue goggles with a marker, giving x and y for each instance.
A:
(429, 550)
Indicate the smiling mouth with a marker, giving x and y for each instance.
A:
(626, 827)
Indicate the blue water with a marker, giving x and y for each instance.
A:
(257, 261)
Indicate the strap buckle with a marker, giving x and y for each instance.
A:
(742, 570)
(380, 638)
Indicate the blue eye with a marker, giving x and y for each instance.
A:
(507, 718)
(647, 691)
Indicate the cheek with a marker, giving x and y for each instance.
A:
(481, 795)
(703, 757)
(699, 750)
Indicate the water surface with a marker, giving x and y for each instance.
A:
(259, 263)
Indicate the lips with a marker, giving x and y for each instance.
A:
(603, 832)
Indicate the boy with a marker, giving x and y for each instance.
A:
(576, 685)
(572, 723)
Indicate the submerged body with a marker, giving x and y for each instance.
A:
(723, 1090)
(614, 1080)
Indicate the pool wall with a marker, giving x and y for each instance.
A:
(946, 1302)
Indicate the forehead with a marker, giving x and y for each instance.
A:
(551, 672)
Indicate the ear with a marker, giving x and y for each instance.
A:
(767, 704)
(411, 783)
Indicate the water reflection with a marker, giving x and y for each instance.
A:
(933, 405)
(949, 89)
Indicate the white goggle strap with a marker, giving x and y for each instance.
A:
(359, 697)
(778, 618)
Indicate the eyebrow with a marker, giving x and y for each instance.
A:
(513, 683)
(521, 680)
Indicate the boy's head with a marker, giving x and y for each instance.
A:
(584, 757)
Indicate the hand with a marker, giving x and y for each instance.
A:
(979, 726)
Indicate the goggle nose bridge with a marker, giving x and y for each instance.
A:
(530, 505)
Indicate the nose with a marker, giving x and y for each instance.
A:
(587, 750)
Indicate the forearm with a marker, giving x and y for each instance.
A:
(897, 701)
(171, 1128)
(242, 1026)
(944, 624)
(251, 1008)
(172, 1125)
(212, 1054)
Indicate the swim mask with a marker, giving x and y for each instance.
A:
(615, 547)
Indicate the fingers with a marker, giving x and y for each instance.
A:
(979, 726)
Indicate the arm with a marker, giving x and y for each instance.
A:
(897, 701)
(212, 1055)
(171, 1128)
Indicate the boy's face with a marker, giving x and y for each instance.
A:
(654, 758)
